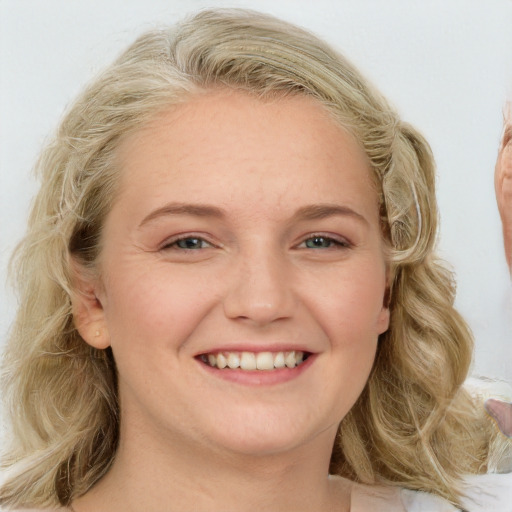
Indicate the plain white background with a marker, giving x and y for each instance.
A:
(445, 64)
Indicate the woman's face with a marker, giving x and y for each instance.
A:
(244, 239)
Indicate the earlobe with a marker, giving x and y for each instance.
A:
(88, 311)
(383, 321)
(385, 313)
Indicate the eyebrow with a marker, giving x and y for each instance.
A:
(321, 211)
(309, 212)
(197, 210)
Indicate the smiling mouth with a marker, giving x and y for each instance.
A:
(265, 361)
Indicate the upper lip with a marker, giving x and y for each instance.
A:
(256, 348)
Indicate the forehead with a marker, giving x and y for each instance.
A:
(247, 146)
(215, 107)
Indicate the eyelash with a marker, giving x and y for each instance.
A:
(173, 244)
(331, 241)
(337, 243)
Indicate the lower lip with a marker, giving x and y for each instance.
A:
(259, 377)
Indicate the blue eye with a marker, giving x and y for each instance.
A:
(324, 242)
(319, 242)
(188, 243)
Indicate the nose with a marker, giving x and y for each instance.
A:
(260, 289)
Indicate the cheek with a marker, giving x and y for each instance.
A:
(351, 307)
(153, 306)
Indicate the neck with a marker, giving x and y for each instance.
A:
(162, 473)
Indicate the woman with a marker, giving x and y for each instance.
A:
(229, 291)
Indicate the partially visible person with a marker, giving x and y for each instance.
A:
(501, 410)
(503, 182)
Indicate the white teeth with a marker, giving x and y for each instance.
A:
(248, 361)
(265, 361)
(254, 361)
(233, 360)
(279, 360)
(222, 362)
(289, 359)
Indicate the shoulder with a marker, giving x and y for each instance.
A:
(416, 501)
(396, 499)
(370, 498)
(366, 498)
(482, 493)
(492, 491)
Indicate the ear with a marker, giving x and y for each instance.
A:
(383, 319)
(385, 314)
(88, 312)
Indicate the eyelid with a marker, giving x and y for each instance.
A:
(169, 243)
(341, 242)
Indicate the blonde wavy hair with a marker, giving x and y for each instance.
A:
(413, 425)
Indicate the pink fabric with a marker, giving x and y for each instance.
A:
(366, 498)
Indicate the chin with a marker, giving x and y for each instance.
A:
(268, 434)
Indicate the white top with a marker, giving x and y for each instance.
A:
(485, 493)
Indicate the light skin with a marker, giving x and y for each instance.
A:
(503, 182)
(502, 411)
(240, 226)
